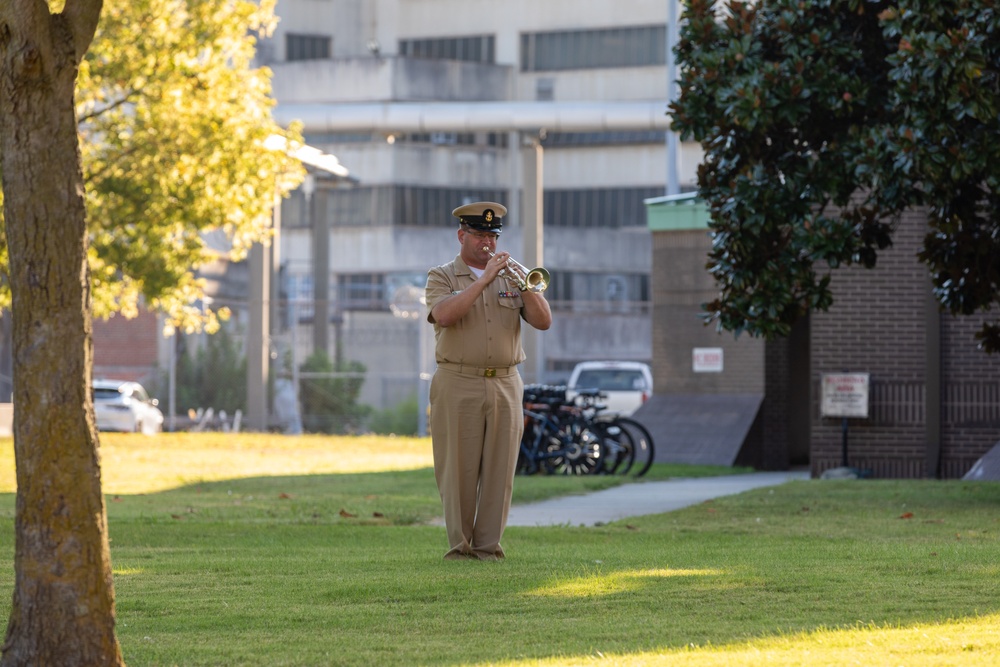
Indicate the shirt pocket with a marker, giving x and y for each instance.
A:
(510, 311)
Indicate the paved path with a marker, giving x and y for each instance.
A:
(641, 498)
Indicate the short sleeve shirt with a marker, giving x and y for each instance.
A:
(490, 333)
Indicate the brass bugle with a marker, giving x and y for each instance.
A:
(536, 280)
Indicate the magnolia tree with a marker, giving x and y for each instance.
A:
(124, 138)
(821, 122)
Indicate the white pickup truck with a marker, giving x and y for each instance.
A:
(626, 384)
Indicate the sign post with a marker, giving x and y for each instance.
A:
(844, 395)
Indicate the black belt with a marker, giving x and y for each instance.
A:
(488, 372)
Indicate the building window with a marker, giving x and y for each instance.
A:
(492, 139)
(636, 46)
(607, 138)
(476, 48)
(432, 207)
(329, 139)
(358, 207)
(545, 89)
(418, 206)
(583, 291)
(293, 210)
(598, 207)
(439, 138)
(307, 47)
(362, 291)
(298, 296)
(320, 138)
(401, 205)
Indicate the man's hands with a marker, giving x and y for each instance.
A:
(496, 266)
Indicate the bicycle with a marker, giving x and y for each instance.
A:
(556, 441)
(628, 444)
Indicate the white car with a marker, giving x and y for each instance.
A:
(125, 406)
(625, 384)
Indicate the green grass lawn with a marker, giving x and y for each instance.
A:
(265, 550)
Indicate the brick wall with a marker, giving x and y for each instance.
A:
(885, 323)
(877, 325)
(680, 284)
(127, 349)
(934, 405)
(970, 396)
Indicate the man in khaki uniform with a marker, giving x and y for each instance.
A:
(476, 393)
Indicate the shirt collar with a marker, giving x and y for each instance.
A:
(461, 268)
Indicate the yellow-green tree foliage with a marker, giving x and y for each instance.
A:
(174, 125)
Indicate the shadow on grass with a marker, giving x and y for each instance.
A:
(384, 498)
(298, 594)
(406, 497)
(270, 571)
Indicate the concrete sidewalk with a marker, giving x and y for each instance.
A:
(641, 498)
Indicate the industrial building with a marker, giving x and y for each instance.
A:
(555, 109)
(558, 111)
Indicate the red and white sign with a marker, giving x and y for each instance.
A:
(707, 360)
(844, 395)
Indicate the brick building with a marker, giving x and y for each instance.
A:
(131, 349)
(933, 396)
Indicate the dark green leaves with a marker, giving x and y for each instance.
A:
(821, 122)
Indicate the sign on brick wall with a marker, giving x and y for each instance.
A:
(707, 359)
(844, 395)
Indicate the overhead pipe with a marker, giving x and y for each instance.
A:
(389, 117)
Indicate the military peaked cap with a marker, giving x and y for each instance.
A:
(483, 216)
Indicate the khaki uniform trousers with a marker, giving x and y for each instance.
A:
(476, 426)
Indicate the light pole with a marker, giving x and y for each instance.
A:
(673, 186)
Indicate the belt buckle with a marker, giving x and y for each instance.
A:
(490, 372)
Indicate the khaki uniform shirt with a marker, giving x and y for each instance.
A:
(490, 333)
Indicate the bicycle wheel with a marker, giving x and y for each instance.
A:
(577, 450)
(618, 451)
(642, 444)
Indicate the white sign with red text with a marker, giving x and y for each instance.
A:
(844, 395)
(707, 360)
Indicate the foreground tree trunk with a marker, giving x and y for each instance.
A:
(63, 610)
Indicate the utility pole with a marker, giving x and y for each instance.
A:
(673, 186)
(258, 352)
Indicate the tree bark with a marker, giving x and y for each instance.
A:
(63, 608)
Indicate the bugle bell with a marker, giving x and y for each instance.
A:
(536, 280)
